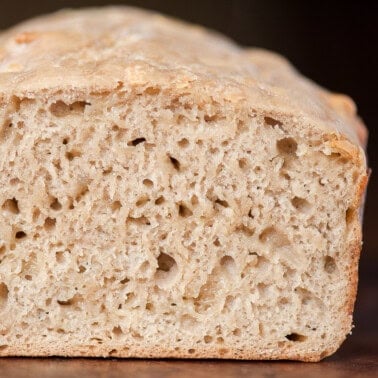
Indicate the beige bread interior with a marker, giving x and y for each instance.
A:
(166, 193)
(144, 224)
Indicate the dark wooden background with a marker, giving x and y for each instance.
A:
(333, 42)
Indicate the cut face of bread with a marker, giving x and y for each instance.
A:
(170, 203)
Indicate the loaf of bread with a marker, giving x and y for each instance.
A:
(167, 193)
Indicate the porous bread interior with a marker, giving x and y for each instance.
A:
(144, 224)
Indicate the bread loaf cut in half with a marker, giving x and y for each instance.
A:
(167, 193)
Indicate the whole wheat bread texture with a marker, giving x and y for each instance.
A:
(166, 193)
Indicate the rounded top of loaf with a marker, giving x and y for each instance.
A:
(102, 49)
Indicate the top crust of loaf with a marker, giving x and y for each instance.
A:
(102, 49)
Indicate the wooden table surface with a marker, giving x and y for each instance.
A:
(358, 357)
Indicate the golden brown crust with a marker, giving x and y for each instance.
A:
(98, 48)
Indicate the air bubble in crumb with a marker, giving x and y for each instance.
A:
(159, 200)
(222, 202)
(116, 205)
(208, 339)
(148, 183)
(174, 162)
(301, 204)
(59, 256)
(11, 206)
(329, 264)
(20, 235)
(243, 163)
(56, 205)
(269, 121)
(236, 332)
(136, 141)
(165, 262)
(349, 215)
(287, 146)
(49, 223)
(70, 155)
(296, 337)
(228, 264)
(184, 211)
(183, 143)
(117, 331)
(3, 295)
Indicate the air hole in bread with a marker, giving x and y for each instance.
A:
(243, 163)
(211, 118)
(2, 250)
(160, 200)
(241, 126)
(174, 162)
(6, 129)
(222, 202)
(228, 264)
(28, 277)
(270, 121)
(207, 339)
(149, 306)
(70, 155)
(194, 200)
(11, 206)
(82, 268)
(142, 201)
(216, 242)
(350, 215)
(49, 224)
(148, 183)
(142, 220)
(329, 264)
(117, 331)
(301, 204)
(20, 235)
(4, 291)
(165, 262)
(247, 231)
(184, 211)
(107, 171)
(228, 302)
(65, 303)
(136, 141)
(183, 143)
(14, 181)
(152, 90)
(296, 337)
(223, 351)
(116, 205)
(59, 257)
(56, 205)
(61, 109)
(220, 340)
(237, 332)
(191, 351)
(125, 281)
(65, 141)
(287, 146)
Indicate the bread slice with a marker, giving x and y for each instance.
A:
(166, 193)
